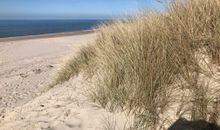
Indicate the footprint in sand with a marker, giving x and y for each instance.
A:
(73, 124)
(37, 71)
(23, 75)
(2, 113)
(50, 66)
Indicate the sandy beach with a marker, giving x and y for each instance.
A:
(49, 35)
(27, 66)
(109, 65)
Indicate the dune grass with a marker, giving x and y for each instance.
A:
(137, 64)
(75, 64)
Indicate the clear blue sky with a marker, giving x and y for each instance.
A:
(71, 9)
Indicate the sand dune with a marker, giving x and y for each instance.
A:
(27, 66)
(63, 107)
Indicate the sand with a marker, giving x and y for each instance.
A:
(27, 66)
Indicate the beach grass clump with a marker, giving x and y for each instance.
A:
(137, 64)
(199, 22)
(75, 64)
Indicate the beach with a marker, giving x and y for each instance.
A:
(109, 65)
(27, 67)
(49, 35)
(26, 64)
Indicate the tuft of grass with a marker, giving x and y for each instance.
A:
(198, 22)
(75, 64)
(136, 64)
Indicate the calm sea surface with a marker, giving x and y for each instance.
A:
(11, 28)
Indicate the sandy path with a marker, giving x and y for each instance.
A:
(26, 65)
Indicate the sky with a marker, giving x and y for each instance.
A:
(72, 9)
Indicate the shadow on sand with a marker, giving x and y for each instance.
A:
(183, 124)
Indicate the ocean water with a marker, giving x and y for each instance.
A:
(11, 28)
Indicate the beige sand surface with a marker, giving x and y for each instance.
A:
(26, 66)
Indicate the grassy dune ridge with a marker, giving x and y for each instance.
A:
(149, 64)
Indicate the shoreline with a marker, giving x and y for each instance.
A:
(48, 35)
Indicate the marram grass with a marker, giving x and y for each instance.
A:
(137, 64)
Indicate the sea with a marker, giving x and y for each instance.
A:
(12, 28)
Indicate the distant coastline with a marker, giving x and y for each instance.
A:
(49, 35)
(20, 28)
